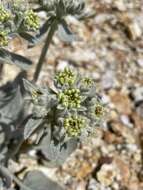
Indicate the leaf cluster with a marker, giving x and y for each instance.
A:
(69, 111)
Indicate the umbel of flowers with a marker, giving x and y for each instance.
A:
(14, 19)
(72, 108)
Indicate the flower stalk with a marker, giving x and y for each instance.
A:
(45, 49)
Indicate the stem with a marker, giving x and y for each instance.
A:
(45, 49)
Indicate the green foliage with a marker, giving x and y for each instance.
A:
(15, 19)
(12, 58)
(69, 104)
(68, 111)
(36, 180)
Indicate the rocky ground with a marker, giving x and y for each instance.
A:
(110, 50)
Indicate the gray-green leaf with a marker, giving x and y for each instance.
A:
(65, 34)
(12, 58)
(36, 180)
(31, 126)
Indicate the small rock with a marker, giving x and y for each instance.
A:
(62, 64)
(106, 174)
(125, 120)
(120, 5)
(137, 120)
(111, 138)
(124, 170)
(121, 102)
(140, 62)
(139, 109)
(137, 94)
(85, 170)
(108, 80)
(134, 30)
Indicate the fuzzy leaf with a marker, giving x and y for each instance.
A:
(31, 126)
(5, 135)
(36, 180)
(31, 39)
(55, 152)
(65, 34)
(29, 86)
(12, 58)
(6, 179)
(11, 105)
(38, 37)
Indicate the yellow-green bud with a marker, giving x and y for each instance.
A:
(70, 98)
(88, 82)
(73, 125)
(3, 38)
(66, 77)
(4, 14)
(31, 21)
(98, 110)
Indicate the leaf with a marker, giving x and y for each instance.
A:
(5, 134)
(31, 126)
(33, 40)
(86, 15)
(65, 34)
(36, 180)
(30, 87)
(6, 179)
(12, 58)
(56, 152)
(11, 104)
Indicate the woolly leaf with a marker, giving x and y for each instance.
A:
(30, 87)
(11, 105)
(6, 179)
(12, 58)
(56, 153)
(65, 34)
(31, 126)
(38, 37)
(31, 39)
(36, 180)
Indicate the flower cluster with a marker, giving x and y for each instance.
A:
(87, 82)
(74, 125)
(64, 7)
(98, 110)
(16, 18)
(4, 14)
(75, 109)
(66, 77)
(31, 20)
(3, 38)
(70, 98)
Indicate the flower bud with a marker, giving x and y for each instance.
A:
(3, 38)
(70, 97)
(4, 14)
(73, 125)
(31, 20)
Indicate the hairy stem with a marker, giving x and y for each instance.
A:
(45, 49)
